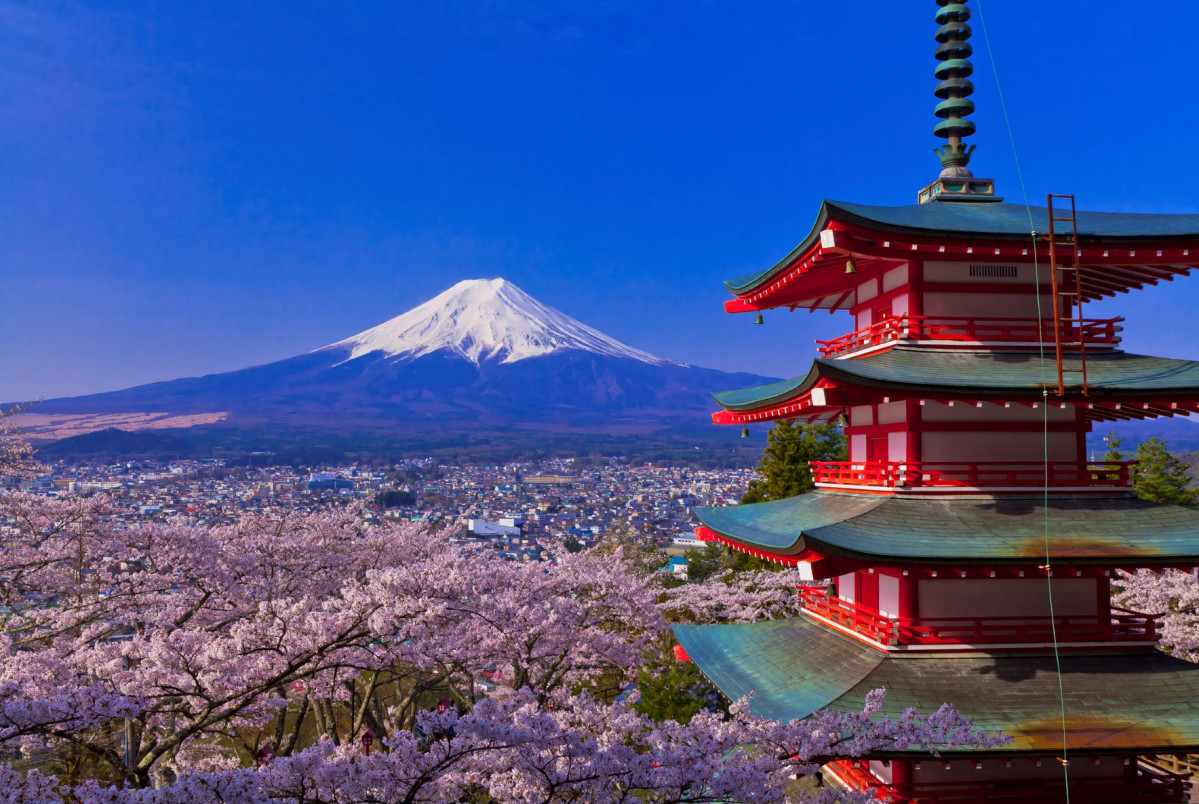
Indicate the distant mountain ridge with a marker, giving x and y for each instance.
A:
(113, 442)
(483, 357)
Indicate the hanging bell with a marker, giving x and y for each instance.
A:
(841, 422)
(850, 268)
(745, 431)
(759, 320)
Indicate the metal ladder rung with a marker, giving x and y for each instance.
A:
(1067, 304)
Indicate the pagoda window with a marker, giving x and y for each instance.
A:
(932, 772)
(1006, 597)
(954, 447)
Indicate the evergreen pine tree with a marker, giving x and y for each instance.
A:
(1161, 476)
(791, 445)
(1114, 453)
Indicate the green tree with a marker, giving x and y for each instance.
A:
(1114, 453)
(791, 445)
(1161, 476)
(394, 498)
(673, 690)
(711, 560)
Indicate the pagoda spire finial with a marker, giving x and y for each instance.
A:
(955, 88)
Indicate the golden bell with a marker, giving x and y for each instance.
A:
(745, 431)
(759, 319)
(850, 268)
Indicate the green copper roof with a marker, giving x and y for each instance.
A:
(964, 220)
(983, 373)
(1144, 701)
(899, 529)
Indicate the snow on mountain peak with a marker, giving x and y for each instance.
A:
(483, 320)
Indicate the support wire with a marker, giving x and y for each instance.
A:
(1057, 658)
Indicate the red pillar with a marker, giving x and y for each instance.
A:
(907, 598)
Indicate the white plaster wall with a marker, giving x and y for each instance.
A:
(895, 277)
(857, 447)
(892, 412)
(888, 596)
(860, 415)
(847, 588)
(880, 769)
(1011, 597)
(897, 446)
(867, 290)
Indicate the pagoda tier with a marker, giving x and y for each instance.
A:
(1118, 706)
(847, 531)
(923, 420)
(917, 574)
(1120, 385)
(991, 244)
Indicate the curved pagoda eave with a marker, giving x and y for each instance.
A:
(900, 233)
(1133, 702)
(969, 374)
(879, 530)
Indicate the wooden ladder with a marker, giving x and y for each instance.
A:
(1065, 265)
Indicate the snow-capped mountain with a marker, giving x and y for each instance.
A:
(482, 358)
(486, 320)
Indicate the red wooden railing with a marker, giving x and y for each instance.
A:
(1120, 626)
(1093, 332)
(1151, 784)
(973, 474)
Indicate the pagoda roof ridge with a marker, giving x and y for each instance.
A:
(897, 530)
(794, 667)
(999, 220)
(979, 372)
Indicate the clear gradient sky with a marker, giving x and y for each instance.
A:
(194, 187)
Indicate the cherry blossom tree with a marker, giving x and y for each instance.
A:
(16, 455)
(737, 597)
(260, 661)
(1171, 593)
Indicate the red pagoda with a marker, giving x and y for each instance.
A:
(968, 546)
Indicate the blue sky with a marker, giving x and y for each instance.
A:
(195, 187)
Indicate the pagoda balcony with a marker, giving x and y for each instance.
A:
(972, 476)
(1009, 332)
(940, 633)
(1149, 783)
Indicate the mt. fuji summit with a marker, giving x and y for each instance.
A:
(486, 320)
(481, 358)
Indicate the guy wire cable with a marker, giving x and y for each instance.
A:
(1065, 758)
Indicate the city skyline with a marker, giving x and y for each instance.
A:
(191, 192)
